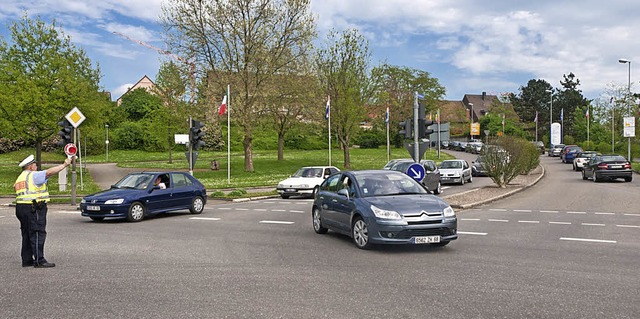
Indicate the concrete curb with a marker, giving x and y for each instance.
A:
(488, 200)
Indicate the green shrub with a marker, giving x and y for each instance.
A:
(237, 193)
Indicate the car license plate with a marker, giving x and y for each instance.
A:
(444, 178)
(94, 208)
(291, 190)
(427, 239)
(616, 166)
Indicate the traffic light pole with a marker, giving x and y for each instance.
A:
(190, 149)
(73, 173)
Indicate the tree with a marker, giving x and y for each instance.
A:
(171, 88)
(568, 99)
(43, 76)
(343, 70)
(243, 43)
(395, 87)
(534, 97)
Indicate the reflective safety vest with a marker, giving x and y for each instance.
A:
(27, 190)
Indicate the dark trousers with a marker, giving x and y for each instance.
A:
(33, 224)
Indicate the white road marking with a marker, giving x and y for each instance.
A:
(205, 218)
(225, 208)
(497, 210)
(2, 216)
(470, 219)
(297, 211)
(275, 222)
(471, 233)
(628, 226)
(632, 214)
(529, 221)
(589, 240)
(241, 209)
(589, 224)
(560, 223)
(599, 213)
(499, 220)
(261, 209)
(549, 211)
(522, 210)
(279, 210)
(576, 212)
(68, 211)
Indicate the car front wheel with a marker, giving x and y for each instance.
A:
(360, 233)
(136, 212)
(317, 222)
(438, 189)
(197, 205)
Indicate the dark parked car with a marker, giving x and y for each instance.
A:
(432, 174)
(382, 207)
(539, 145)
(604, 167)
(137, 195)
(478, 167)
(569, 152)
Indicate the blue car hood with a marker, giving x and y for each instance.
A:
(409, 204)
(114, 193)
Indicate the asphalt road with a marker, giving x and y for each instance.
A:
(564, 248)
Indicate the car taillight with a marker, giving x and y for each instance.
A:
(627, 165)
(603, 166)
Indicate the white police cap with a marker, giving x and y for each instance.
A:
(27, 161)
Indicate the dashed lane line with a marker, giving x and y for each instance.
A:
(549, 211)
(499, 220)
(497, 210)
(600, 213)
(277, 222)
(628, 226)
(470, 219)
(560, 223)
(298, 211)
(581, 213)
(529, 221)
(589, 240)
(205, 218)
(522, 210)
(590, 224)
(632, 215)
(472, 233)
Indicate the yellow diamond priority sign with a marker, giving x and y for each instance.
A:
(75, 117)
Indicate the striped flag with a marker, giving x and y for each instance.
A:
(535, 120)
(561, 114)
(223, 106)
(587, 113)
(502, 119)
(327, 111)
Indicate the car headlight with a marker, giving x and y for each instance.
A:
(280, 186)
(448, 212)
(114, 201)
(83, 201)
(385, 214)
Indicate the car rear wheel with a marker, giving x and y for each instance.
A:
(470, 179)
(462, 180)
(197, 205)
(441, 244)
(584, 176)
(628, 179)
(284, 196)
(136, 212)
(595, 177)
(315, 191)
(360, 233)
(317, 222)
(97, 219)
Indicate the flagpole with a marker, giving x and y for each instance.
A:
(386, 120)
(228, 134)
(536, 126)
(588, 124)
(328, 112)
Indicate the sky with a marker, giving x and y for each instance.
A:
(470, 46)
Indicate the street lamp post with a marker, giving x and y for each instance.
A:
(628, 105)
(106, 142)
(550, 116)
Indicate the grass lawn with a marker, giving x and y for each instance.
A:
(268, 171)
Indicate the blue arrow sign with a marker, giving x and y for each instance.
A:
(419, 96)
(416, 171)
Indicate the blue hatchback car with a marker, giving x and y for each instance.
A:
(140, 194)
(382, 207)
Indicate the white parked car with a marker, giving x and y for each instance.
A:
(455, 171)
(305, 181)
(582, 159)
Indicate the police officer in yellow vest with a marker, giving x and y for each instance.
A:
(32, 196)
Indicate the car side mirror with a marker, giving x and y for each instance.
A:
(344, 192)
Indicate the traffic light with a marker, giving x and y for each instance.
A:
(405, 129)
(196, 134)
(423, 128)
(66, 133)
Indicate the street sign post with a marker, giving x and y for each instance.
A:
(416, 171)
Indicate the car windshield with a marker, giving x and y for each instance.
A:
(308, 172)
(380, 184)
(135, 181)
(401, 166)
(613, 158)
(451, 164)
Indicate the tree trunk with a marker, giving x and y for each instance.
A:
(248, 152)
(345, 152)
(280, 147)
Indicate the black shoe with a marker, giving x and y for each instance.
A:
(44, 265)
(28, 264)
